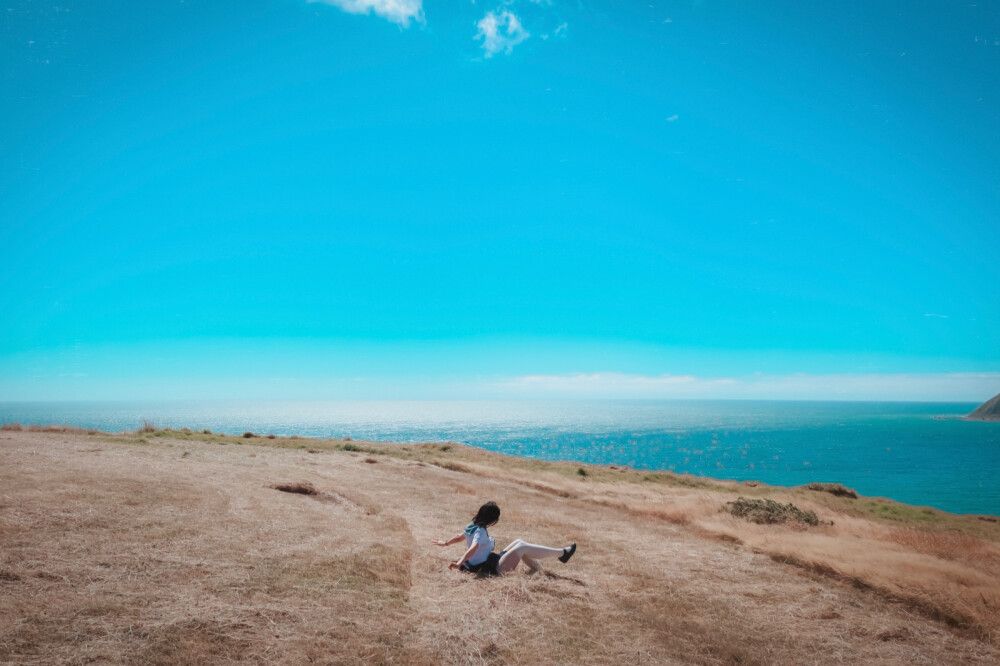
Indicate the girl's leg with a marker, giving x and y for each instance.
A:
(528, 561)
(519, 550)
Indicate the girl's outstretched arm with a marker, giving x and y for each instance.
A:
(448, 542)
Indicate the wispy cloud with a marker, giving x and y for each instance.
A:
(397, 11)
(970, 387)
(500, 32)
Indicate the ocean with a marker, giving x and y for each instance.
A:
(918, 453)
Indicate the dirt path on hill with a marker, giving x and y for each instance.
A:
(183, 552)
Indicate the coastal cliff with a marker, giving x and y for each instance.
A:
(988, 411)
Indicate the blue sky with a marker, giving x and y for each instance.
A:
(406, 198)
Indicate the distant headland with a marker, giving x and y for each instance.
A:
(988, 411)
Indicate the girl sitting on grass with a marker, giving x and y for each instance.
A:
(479, 556)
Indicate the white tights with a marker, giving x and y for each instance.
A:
(521, 550)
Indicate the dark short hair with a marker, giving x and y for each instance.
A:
(488, 514)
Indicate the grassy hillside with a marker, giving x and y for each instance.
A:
(168, 546)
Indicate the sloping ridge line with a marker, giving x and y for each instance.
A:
(988, 411)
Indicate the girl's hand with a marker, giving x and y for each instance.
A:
(454, 565)
(439, 542)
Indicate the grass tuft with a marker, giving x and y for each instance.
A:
(769, 512)
(835, 489)
(299, 488)
(452, 466)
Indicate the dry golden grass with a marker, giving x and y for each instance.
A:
(177, 547)
(73, 430)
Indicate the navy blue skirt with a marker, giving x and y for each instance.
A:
(487, 567)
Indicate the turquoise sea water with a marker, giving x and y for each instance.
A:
(919, 453)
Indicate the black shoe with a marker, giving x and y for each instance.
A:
(567, 553)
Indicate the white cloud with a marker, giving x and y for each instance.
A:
(614, 383)
(500, 32)
(560, 31)
(397, 11)
(966, 387)
(673, 118)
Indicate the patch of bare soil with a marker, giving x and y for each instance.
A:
(155, 550)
